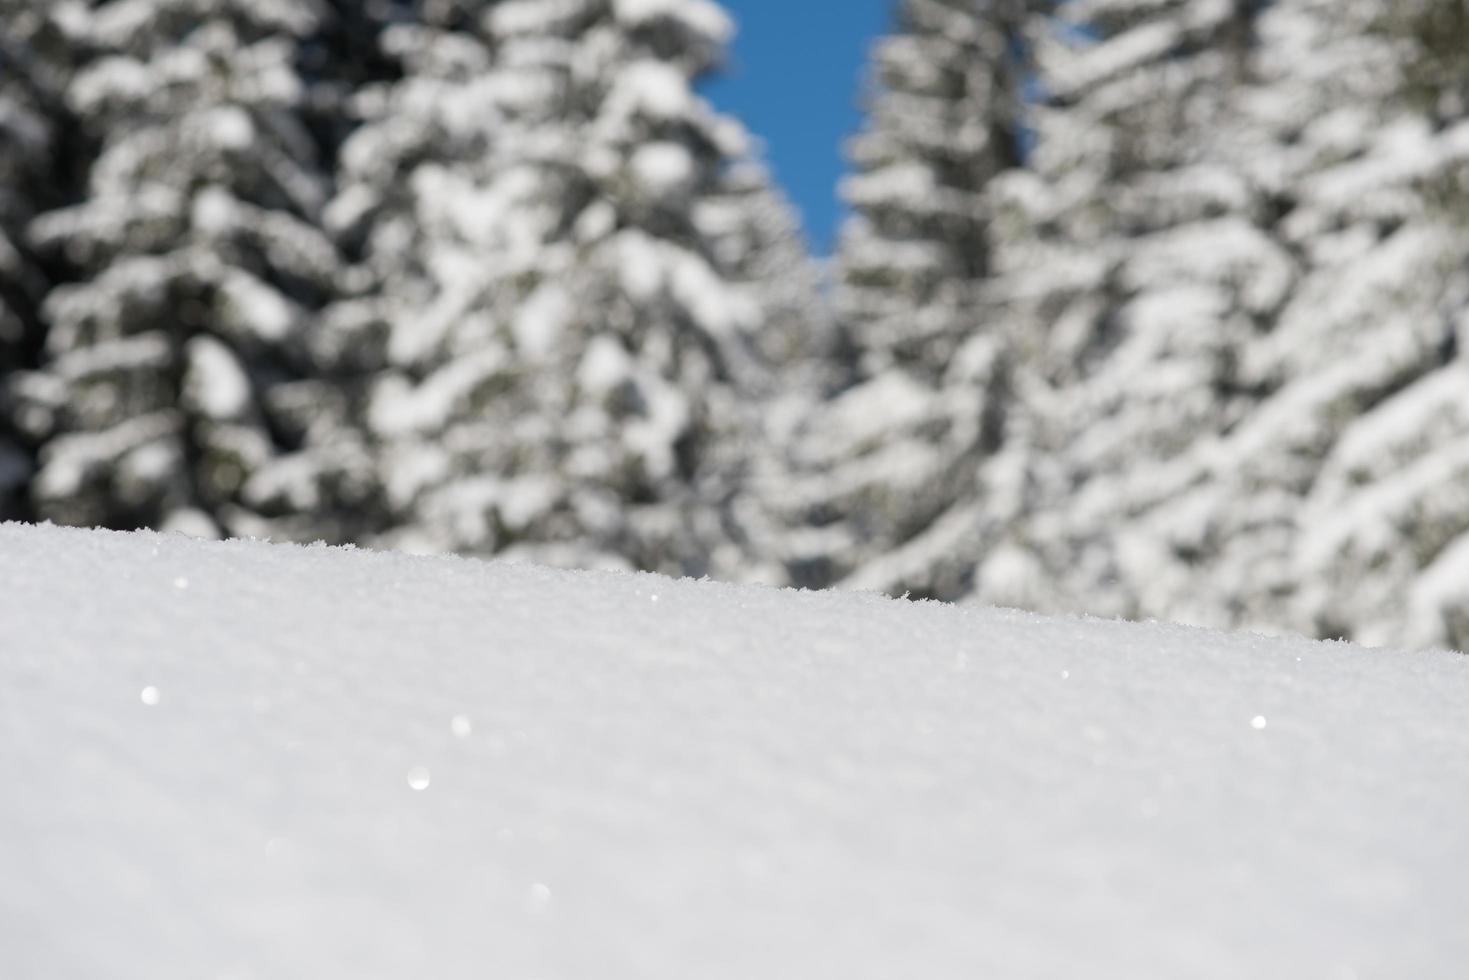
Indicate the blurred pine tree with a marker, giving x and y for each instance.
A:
(1142, 264)
(1363, 437)
(565, 302)
(34, 131)
(893, 465)
(194, 263)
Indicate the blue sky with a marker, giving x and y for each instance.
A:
(794, 77)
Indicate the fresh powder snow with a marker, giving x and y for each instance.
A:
(238, 759)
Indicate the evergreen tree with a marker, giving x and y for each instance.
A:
(405, 87)
(1362, 438)
(1312, 484)
(896, 461)
(1140, 264)
(755, 235)
(194, 258)
(556, 329)
(33, 56)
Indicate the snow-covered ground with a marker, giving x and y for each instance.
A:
(247, 760)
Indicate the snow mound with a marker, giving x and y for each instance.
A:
(246, 760)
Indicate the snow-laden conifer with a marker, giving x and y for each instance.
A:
(1323, 498)
(756, 235)
(398, 90)
(195, 261)
(34, 54)
(1140, 265)
(559, 307)
(1362, 439)
(894, 462)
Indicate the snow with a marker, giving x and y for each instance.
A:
(700, 16)
(650, 88)
(604, 367)
(231, 128)
(70, 459)
(542, 321)
(663, 169)
(249, 760)
(399, 408)
(215, 212)
(255, 308)
(532, 16)
(911, 184)
(214, 382)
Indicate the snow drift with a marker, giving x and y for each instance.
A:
(245, 760)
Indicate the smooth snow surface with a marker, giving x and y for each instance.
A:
(245, 760)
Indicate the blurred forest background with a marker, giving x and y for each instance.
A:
(1145, 308)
